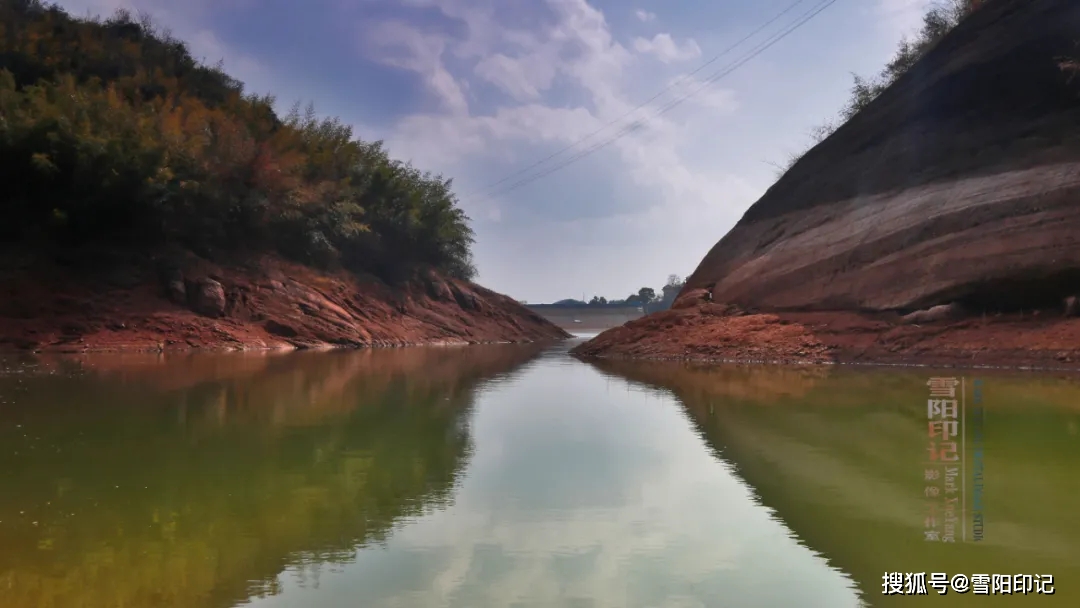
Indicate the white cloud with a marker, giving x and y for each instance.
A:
(401, 45)
(666, 49)
(703, 93)
(579, 47)
(645, 16)
(523, 78)
(901, 17)
(654, 182)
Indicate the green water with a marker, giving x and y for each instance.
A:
(509, 476)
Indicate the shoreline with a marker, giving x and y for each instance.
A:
(225, 347)
(174, 301)
(714, 334)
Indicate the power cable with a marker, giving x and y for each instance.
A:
(492, 187)
(634, 126)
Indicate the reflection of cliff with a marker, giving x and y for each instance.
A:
(118, 494)
(840, 464)
(750, 382)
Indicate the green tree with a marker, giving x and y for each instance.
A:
(646, 295)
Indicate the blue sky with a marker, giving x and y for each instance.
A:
(480, 89)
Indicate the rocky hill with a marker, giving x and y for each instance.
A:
(958, 185)
(150, 202)
(960, 182)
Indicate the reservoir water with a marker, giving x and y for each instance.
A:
(517, 476)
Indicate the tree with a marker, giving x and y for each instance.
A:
(111, 132)
(647, 294)
(674, 280)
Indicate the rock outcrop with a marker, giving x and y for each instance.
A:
(941, 312)
(961, 182)
(53, 302)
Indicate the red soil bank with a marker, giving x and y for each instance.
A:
(101, 301)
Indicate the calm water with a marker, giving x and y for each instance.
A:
(508, 477)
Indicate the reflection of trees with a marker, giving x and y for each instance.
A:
(838, 460)
(201, 495)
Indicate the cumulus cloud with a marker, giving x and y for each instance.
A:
(664, 48)
(558, 80)
(401, 45)
(579, 49)
(524, 78)
(644, 15)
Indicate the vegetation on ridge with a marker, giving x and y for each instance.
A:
(940, 18)
(111, 132)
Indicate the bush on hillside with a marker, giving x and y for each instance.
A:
(111, 131)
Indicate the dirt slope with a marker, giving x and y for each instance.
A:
(109, 300)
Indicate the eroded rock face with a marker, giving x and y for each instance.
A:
(961, 183)
(942, 312)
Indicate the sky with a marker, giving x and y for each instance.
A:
(483, 90)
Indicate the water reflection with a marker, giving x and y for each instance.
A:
(504, 476)
(583, 492)
(837, 454)
(195, 481)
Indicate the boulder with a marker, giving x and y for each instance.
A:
(207, 298)
(935, 313)
(691, 298)
(176, 291)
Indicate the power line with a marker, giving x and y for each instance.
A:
(634, 126)
(492, 187)
(640, 123)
